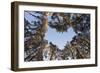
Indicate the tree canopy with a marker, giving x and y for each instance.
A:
(34, 32)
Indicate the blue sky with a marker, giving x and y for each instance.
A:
(30, 18)
(57, 38)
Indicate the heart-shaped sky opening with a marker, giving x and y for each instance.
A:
(58, 38)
